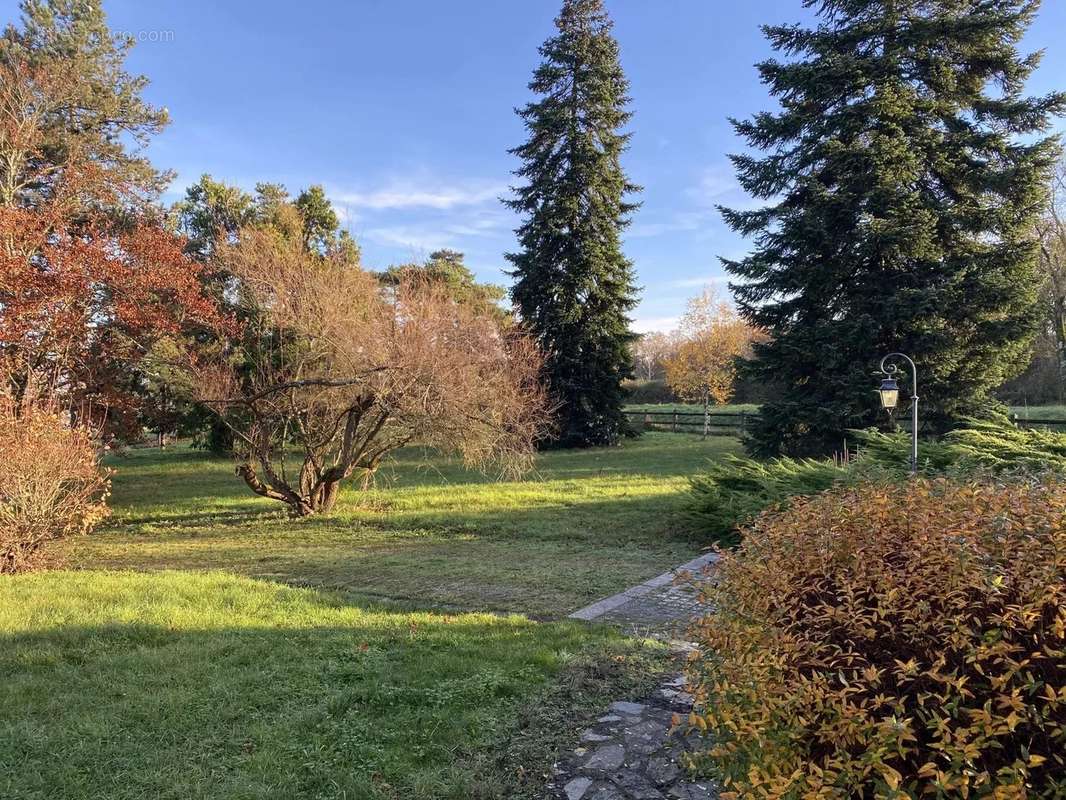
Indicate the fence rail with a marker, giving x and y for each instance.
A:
(723, 423)
(731, 423)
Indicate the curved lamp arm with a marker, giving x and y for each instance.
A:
(892, 369)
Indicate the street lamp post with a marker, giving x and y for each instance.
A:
(889, 392)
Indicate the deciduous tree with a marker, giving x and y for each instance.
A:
(340, 370)
(651, 351)
(1052, 232)
(713, 337)
(88, 277)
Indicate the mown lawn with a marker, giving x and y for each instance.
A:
(584, 525)
(692, 408)
(179, 685)
(205, 645)
(1040, 412)
(1025, 412)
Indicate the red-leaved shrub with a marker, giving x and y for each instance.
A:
(891, 641)
(51, 484)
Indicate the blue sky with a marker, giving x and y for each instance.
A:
(403, 110)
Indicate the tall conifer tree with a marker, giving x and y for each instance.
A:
(903, 174)
(574, 287)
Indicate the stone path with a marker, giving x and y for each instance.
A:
(659, 607)
(633, 751)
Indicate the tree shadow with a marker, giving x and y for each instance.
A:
(377, 708)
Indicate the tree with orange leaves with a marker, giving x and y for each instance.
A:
(704, 367)
(89, 278)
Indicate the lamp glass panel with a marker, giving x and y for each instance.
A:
(889, 393)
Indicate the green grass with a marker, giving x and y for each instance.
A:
(205, 645)
(735, 408)
(183, 685)
(586, 524)
(1040, 412)
(1033, 412)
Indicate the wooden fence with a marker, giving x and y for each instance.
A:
(722, 423)
(719, 423)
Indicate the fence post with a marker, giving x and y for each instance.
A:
(673, 425)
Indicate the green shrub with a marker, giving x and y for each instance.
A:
(900, 640)
(736, 489)
(1004, 448)
(647, 392)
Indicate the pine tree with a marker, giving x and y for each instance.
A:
(574, 287)
(903, 174)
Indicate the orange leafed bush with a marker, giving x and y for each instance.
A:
(51, 484)
(890, 642)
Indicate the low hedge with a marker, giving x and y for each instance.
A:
(891, 640)
(732, 491)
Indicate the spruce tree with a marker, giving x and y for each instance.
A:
(902, 175)
(574, 287)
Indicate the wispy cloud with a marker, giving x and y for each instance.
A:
(411, 194)
(714, 184)
(698, 283)
(416, 238)
(685, 221)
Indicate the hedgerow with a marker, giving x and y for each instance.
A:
(890, 640)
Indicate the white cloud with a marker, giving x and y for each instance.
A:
(655, 324)
(699, 283)
(685, 221)
(408, 194)
(416, 238)
(714, 184)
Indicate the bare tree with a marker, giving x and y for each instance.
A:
(1052, 235)
(651, 352)
(334, 370)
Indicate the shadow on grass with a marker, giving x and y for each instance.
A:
(442, 537)
(545, 562)
(300, 695)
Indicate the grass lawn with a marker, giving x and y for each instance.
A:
(1040, 412)
(735, 408)
(179, 685)
(204, 645)
(1025, 412)
(586, 524)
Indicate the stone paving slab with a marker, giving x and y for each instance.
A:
(659, 606)
(634, 752)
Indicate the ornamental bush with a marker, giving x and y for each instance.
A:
(898, 640)
(735, 489)
(732, 491)
(51, 484)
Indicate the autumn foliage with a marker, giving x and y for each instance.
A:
(80, 304)
(334, 370)
(711, 339)
(51, 485)
(89, 278)
(891, 641)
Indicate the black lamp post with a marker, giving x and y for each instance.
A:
(889, 392)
